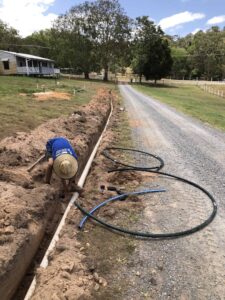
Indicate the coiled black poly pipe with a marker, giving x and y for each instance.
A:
(155, 168)
(157, 235)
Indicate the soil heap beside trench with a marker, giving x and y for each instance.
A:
(27, 204)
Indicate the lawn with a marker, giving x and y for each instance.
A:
(190, 100)
(20, 111)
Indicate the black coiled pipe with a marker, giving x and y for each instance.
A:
(150, 234)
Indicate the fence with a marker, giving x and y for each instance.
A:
(212, 90)
(216, 88)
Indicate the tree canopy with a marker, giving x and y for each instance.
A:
(105, 26)
(9, 37)
(151, 52)
(203, 55)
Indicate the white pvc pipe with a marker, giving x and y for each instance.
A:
(55, 238)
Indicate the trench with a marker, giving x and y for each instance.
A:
(44, 236)
(17, 284)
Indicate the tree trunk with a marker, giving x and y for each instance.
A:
(86, 75)
(140, 76)
(106, 70)
(155, 81)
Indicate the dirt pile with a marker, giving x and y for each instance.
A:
(65, 277)
(43, 96)
(27, 204)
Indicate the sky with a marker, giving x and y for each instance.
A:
(176, 17)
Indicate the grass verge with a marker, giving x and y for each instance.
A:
(20, 111)
(190, 100)
(108, 253)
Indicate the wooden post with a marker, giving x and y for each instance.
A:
(27, 67)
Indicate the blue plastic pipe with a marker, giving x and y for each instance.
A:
(116, 198)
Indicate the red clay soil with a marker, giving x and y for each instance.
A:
(28, 205)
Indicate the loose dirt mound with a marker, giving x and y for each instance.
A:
(65, 277)
(27, 204)
(43, 96)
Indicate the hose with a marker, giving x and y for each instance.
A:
(150, 234)
(120, 197)
(156, 168)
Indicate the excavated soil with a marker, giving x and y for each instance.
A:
(43, 96)
(28, 205)
(82, 263)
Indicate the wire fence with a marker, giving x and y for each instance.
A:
(213, 90)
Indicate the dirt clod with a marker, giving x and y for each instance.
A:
(97, 287)
(68, 267)
(55, 297)
(110, 212)
(66, 275)
(96, 277)
(102, 281)
(153, 281)
(9, 229)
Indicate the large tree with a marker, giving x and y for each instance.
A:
(72, 48)
(106, 26)
(151, 52)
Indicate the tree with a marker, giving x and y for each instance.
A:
(151, 52)
(205, 54)
(180, 67)
(184, 42)
(207, 51)
(9, 37)
(106, 26)
(38, 43)
(71, 46)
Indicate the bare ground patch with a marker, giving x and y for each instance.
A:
(51, 95)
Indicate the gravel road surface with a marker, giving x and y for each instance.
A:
(192, 267)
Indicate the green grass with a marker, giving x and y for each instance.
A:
(23, 112)
(122, 131)
(110, 252)
(190, 100)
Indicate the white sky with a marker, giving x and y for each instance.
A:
(180, 18)
(27, 16)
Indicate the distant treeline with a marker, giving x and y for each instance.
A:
(199, 56)
(99, 35)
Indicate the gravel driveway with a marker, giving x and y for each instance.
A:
(192, 267)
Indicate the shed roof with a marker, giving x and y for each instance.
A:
(27, 56)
